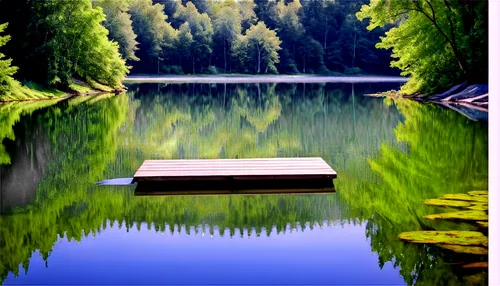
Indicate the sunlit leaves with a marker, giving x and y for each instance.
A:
(437, 43)
(6, 70)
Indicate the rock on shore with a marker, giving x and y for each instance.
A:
(470, 100)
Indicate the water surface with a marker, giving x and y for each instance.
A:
(57, 226)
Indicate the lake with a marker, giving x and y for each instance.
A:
(58, 227)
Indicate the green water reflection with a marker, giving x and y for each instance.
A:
(390, 156)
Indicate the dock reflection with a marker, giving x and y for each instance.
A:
(234, 187)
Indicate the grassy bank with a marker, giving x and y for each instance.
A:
(31, 91)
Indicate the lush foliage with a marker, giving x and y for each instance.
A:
(6, 70)
(258, 49)
(438, 43)
(119, 24)
(54, 41)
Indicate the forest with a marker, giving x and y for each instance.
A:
(47, 44)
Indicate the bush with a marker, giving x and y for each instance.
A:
(353, 70)
(323, 70)
(176, 70)
(212, 70)
(165, 69)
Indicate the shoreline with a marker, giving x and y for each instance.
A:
(228, 78)
(470, 100)
(66, 95)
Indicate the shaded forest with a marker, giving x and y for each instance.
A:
(436, 43)
(176, 37)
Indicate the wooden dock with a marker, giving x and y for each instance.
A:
(234, 176)
(234, 169)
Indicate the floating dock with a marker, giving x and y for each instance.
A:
(234, 176)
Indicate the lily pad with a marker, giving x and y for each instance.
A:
(465, 197)
(447, 203)
(478, 193)
(483, 264)
(457, 204)
(445, 237)
(483, 223)
(462, 215)
(465, 249)
(478, 207)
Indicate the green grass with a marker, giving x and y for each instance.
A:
(33, 91)
(79, 88)
(97, 86)
(30, 91)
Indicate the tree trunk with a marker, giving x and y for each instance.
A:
(194, 72)
(294, 52)
(258, 60)
(304, 64)
(326, 33)
(461, 61)
(354, 48)
(224, 56)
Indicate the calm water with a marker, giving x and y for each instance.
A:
(58, 227)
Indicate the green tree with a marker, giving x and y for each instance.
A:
(437, 43)
(318, 19)
(201, 29)
(312, 53)
(58, 40)
(183, 42)
(155, 35)
(260, 47)
(206, 6)
(6, 70)
(227, 26)
(290, 29)
(119, 24)
(267, 13)
(247, 12)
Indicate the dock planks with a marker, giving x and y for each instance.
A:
(234, 169)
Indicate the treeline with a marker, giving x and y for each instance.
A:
(229, 36)
(53, 41)
(437, 43)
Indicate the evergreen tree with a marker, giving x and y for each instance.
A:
(6, 70)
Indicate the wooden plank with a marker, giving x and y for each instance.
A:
(232, 172)
(234, 169)
(236, 192)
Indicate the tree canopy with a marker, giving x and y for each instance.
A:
(55, 41)
(6, 70)
(437, 43)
